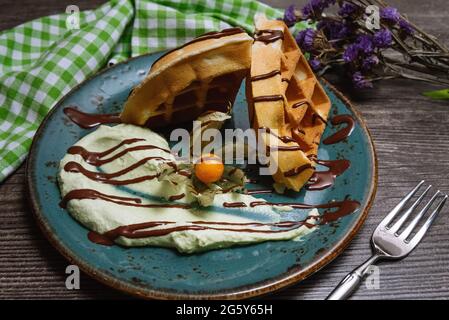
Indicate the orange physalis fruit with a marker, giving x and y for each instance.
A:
(209, 168)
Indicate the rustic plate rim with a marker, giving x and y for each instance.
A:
(247, 291)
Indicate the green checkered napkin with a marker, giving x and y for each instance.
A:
(41, 60)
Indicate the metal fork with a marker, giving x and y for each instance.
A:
(387, 243)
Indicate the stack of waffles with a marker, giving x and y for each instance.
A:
(201, 76)
(286, 101)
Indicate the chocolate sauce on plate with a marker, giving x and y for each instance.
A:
(140, 230)
(176, 197)
(344, 208)
(234, 204)
(80, 194)
(96, 158)
(342, 133)
(87, 120)
(324, 179)
(98, 238)
(259, 191)
(107, 177)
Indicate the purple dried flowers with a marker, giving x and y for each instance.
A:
(392, 17)
(406, 27)
(370, 62)
(390, 14)
(362, 47)
(347, 10)
(351, 53)
(345, 39)
(290, 16)
(334, 30)
(383, 38)
(365, 43)
(305, 39)
(315, 8)
(360, 82)
(315, 63)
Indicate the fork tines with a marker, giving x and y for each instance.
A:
(404, 235)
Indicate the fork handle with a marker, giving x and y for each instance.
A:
(352, 281)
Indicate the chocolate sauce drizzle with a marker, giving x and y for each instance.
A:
(80, 194)
(300, 104)
(344, 208)
(176, 197)
(266, 75)
(215, 35)
(267, 36)
(96, 158)
(107, 177)
(275, 97)
(234, 204)
(206, 36)
(283, 148)
(98, 238)
(317, 116)
(140, 230)
(87, 121)
(324, 179)
(342, 133)
(135, 231)
(297, 170)
(259, 191)
(284, 139)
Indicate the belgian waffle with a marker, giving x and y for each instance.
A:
(202, 75)
(284, 96)
(307, 108)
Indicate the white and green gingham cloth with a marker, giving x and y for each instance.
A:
(41, 60)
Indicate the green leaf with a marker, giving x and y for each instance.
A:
(438, 94)
(233, 180)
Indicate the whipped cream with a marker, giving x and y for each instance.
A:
(109, 181)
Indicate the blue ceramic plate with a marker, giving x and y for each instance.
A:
(237, 272)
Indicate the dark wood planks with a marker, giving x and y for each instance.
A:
(411, 134)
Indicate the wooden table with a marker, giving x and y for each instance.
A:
(412, 140)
